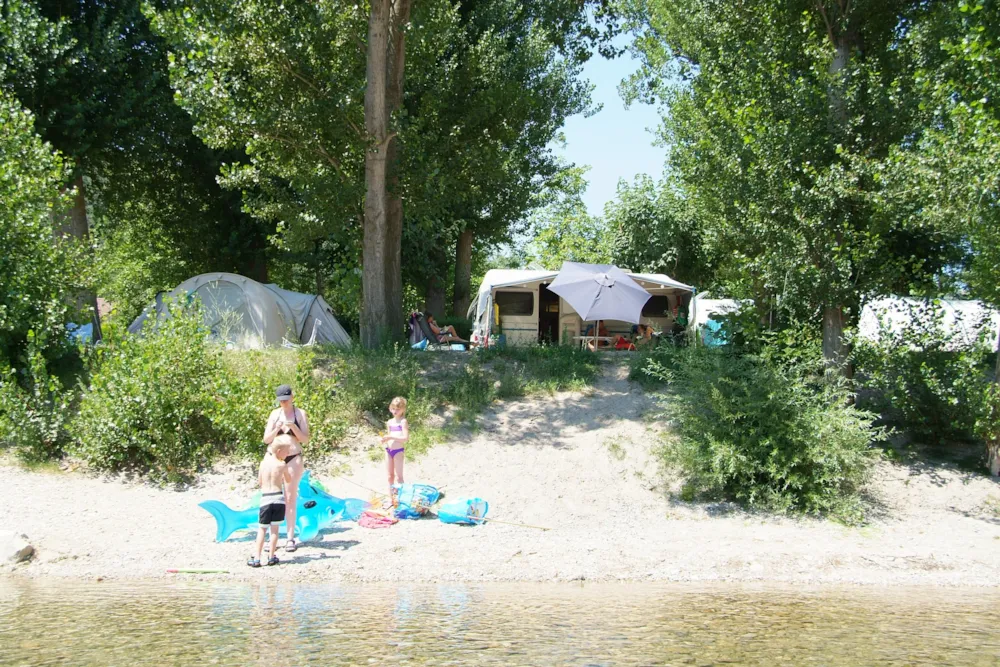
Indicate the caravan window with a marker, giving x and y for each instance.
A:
(657, 306)
(515, 303)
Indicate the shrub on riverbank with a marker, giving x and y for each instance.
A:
(753, 429)
(169, 401)
(146, 406)
(926, 378)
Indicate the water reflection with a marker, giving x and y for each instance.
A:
(54, 623)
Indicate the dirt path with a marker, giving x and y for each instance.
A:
(578, 463)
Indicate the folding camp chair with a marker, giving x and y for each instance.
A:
(425, 329)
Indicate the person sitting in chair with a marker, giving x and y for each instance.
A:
(604, 338)
(643, 336)
(446, 334)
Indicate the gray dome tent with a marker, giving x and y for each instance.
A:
(250, 314)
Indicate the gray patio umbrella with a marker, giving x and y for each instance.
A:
(600, 292)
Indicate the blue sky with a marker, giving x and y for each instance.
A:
(616, 143)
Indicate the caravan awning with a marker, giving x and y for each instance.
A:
(659, 279)
(494, 278)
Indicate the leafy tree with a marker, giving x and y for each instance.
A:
(562, 230)
(486, 90)
(950, 171)
(96, 78)
(656, 229)
(779, 135)
(41, 267)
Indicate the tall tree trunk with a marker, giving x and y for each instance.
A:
(374, 308)
(996, 369)
(76, 224)
(434, 302)
(843, 38)
(835, 350)
(394, 196)
(255, 265)
(993, 445)
(318, 261)
(463, 273)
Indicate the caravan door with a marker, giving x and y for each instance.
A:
(518, 314)
(548, 315)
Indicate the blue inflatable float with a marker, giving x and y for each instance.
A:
(315, 510)
(468, 511)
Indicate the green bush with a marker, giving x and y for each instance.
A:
(39, 275)
(752, 429)
(242, 396)
(924, 378)
(33, 420)
(367, 380)
(647, 367)
(330, 411)
(988, 426)
(147, 403)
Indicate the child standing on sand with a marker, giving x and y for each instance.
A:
(397, 433)
(273, 475)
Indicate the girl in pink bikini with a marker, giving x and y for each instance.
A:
(397, 433)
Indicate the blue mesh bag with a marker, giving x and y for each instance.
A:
(468, 511)
(413, 500)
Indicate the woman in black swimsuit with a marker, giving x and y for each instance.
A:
(289, 425)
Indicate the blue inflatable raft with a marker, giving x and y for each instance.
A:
(468, 511)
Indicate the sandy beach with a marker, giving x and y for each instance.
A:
(577, 463)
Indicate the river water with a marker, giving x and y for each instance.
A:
(220, 623)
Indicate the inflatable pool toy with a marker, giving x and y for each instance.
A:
(353, 508)
(413, 500)
(468, 511)
(315, 510)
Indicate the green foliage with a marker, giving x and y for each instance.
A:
(241, 397)
(750, 429)
(949, 172)
(516, 371)
(487, 86)
(33, 421)
(656, 230)
(562, 230)
(926, 378)
(472, 391)
(777, 137)
(370, 379)
(41, 270)
(652, 366)
(988, 430)
(543, 368)
(147, 402)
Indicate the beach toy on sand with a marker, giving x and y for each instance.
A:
(468, 511)
(353, 507)
(191, 570)
(372, 519)
(414, 500)
(315, 510)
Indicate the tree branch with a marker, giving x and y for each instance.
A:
(826, 19)
(316, 148)
(290, 69)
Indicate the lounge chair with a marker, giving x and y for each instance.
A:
(428, 334)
